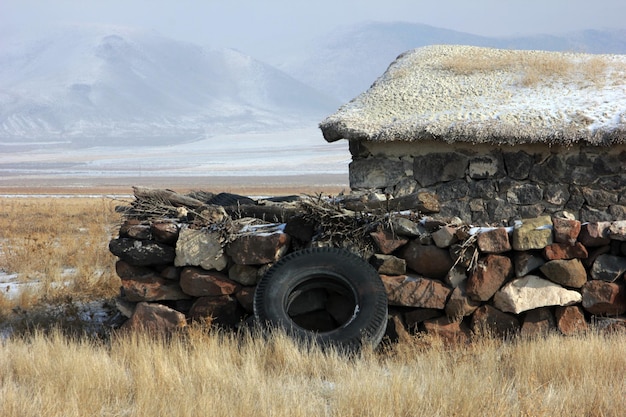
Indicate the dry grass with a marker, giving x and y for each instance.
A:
(221, 375)
(61, 245)
(535, 68)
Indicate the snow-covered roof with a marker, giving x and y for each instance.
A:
(483, 95)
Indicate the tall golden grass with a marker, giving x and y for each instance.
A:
(61, 245)
(205, 372)
(208, 373)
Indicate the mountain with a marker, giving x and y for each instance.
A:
(346, 62)
(89, 86)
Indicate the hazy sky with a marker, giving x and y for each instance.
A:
(251, 25)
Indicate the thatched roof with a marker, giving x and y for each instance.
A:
(483, 95)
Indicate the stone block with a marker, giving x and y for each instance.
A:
(427, 260)
(388, 264)
(200, 248)
(565, 230)
(527, 262)
(494, 241)
(439, 167)
(608, 267)
(538, 322)
(488, 276)
(413, 291)
(491, 321)
(151, 288)
(142, 252)
(460, 304)
(533, 233)
(595, 234)
(571, 320)
(155, 319)
(245, 296)
(569, 273)
(518, 164)
(414, 317)
(486, 166)
(604, 298)
(165, 232)
(376, 172)
(524, 194)
(557, 251)
(445, 236)
(221, 310)
(531, 292)
(257, 249)
(387, 242)
(451, 332)
(199, 282)
(243, 274)
(617, 230)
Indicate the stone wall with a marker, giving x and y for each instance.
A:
(546, 273)
(484, 184)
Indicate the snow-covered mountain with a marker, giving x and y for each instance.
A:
(109, 85)
(347, 61)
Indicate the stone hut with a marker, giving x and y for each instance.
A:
(497, 135)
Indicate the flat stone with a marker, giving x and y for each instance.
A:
(257, 249)
(142, 252)
(151, 288)
(531, 292)
(608, 267)
(494, 241)
(439, 167)
(569, 273)
(200, 248)
(571, 320)
(565, 251)
(533, 233)
(488, 276)
(414, 291)
(367, 173)
(427, 260)
(604, 298)
(199, 282)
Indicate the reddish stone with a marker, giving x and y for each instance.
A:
(151, 288)
(451, 332)
(565, 230)
(199, 282)
(491, 321)
(427, 260)
(222, 310)
(445, 236)
(488, 276)
(416, 316)
(594, 234)
(387, 242)
(570, 320)
(155, 319)
(245, 296)
(411, 291)
(494, 241)
(258, 249)
(604, 298)
(565, 251)
(388, 264)
(460, 304)
(539, 321)
(396, 331)
(125, 270)
(165, 232)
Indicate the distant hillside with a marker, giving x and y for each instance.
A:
(346, 62)
(105, 86)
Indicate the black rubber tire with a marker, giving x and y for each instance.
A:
(338, 271)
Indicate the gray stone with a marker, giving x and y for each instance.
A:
(243, 274)
(484, 189)
(524, 194)
(598, 198)
(405, 186)
(617, 230)
(439, 167)
(604, 298)
(618, 212)
(594, 234)
(445, 236)
(532, 292)
(402, 226)
(257, 249)
(557, 194)
(142, 252)
(608, 267)
(526, 262)
(551, 170)
(456, 276)
(486, 166)
(376, 172)
(452, 190)
(570, 273)
(591, 214)
(491, 321)
(518, 164)
(200, 248)
(155, 319)
(500, 211)
(494, 241)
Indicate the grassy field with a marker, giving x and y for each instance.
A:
(62, 244)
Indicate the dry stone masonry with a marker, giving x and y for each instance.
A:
(198, 260)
